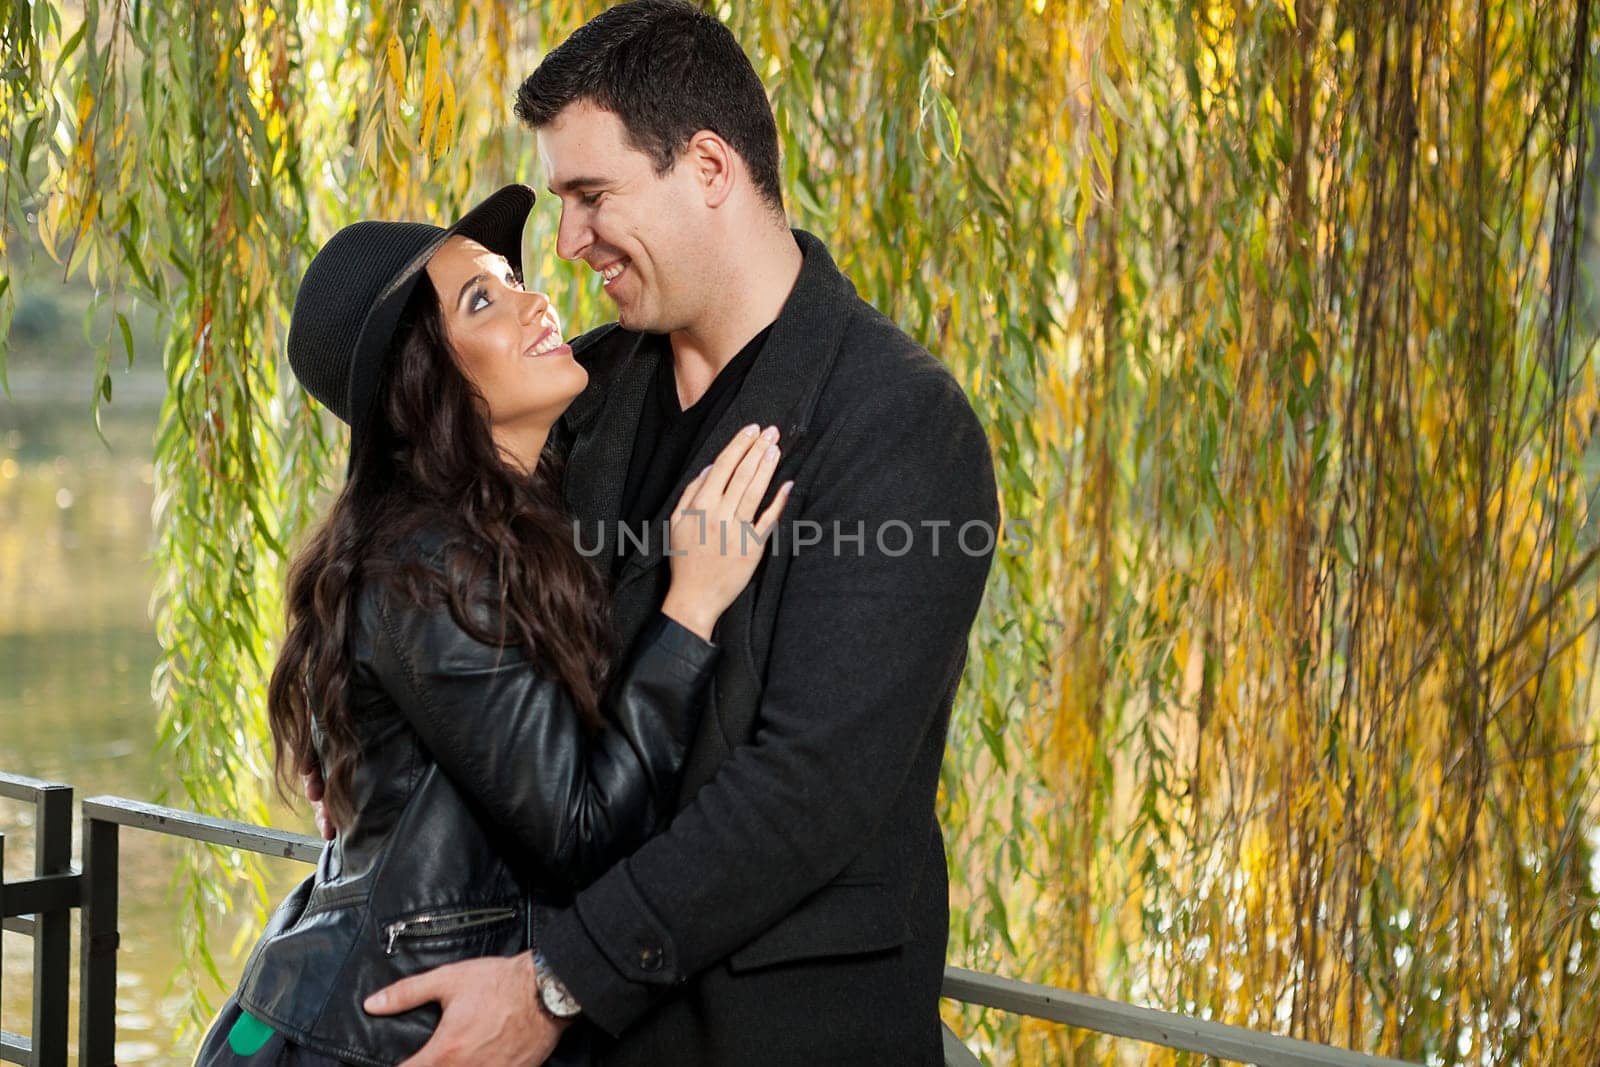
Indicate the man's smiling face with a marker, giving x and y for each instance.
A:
(637, 228)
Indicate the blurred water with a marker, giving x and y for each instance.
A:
(77, 648)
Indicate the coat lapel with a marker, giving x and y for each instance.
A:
(604, 420)
(781, 389)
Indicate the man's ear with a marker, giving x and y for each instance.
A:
(714, 165)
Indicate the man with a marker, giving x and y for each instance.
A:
(796, 909)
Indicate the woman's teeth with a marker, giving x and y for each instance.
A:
(551, 342)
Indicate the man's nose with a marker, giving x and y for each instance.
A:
(573, 237)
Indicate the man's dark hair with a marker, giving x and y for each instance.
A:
(668, 70)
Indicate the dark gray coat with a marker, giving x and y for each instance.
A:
(796, 911)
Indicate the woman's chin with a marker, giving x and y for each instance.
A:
(563, 400)
(580, 377)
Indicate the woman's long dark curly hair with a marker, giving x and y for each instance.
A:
(509, 557)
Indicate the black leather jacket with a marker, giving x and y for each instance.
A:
(479, 796)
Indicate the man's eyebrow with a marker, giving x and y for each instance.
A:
(474, 280)
(574, 184)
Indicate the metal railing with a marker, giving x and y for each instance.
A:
(41, 907)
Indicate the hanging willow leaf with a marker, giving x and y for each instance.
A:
(1281, 707)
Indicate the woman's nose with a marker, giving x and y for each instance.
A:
(534, 306)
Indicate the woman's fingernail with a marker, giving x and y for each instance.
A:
(703, 470)
(772, 451)
(375, 1002)
(750, 431)
(770, 433)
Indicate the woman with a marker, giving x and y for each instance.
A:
(445, 660)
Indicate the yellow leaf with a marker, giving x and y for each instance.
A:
(258, 280)
(1098, 150)
(91, 211)
(432, 65)
(50, 225)
(431, 89)
(1333, 795)
(126, 162)
(493, 39)
(1085, 199)
(397, 60)
(1108, 123)
(243, 256)
(1119, 47)
(445, 135)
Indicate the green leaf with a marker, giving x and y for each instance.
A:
(127, 338)
(1110, 97)
(29, 134)
(948, 130)
(69, 47)
(806, 194)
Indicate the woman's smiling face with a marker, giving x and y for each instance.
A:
(507, 342)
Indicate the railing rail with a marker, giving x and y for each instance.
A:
(57, 888)
(1169, 1029)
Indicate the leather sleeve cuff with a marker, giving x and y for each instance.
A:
(618, 979)
(671, 637)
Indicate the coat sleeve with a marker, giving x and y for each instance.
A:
(865, 653)
(511, 739)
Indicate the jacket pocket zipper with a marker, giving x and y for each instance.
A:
(452, 922)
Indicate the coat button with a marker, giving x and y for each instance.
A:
(650, 958)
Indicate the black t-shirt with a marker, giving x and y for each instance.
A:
(669, 437)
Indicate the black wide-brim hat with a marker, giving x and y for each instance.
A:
(341, 332)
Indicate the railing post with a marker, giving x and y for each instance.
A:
(98, 942)
(13, 1047)
(2, 914)
(52, 934)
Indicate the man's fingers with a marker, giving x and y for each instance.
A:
(424, 1057)
(429, 1055)
(408, 993)
(488, 1013)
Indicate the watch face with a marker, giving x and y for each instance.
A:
(559, 1002)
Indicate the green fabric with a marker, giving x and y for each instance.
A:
(248, 1034)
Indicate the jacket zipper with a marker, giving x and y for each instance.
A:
(443, 923)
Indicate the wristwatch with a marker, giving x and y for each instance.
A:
(553, 992)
